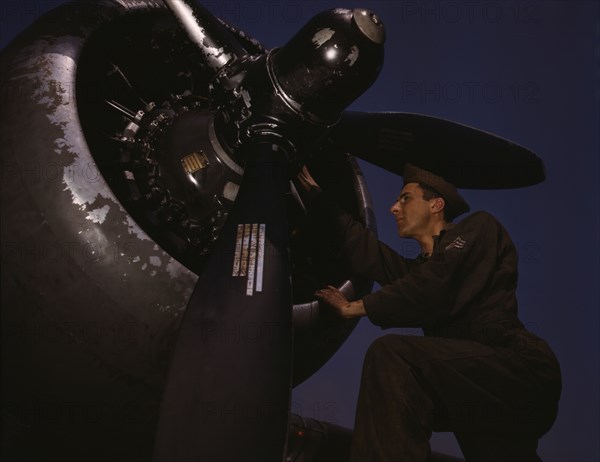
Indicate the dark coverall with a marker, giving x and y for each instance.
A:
(476, 371)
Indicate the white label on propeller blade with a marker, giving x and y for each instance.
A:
(261, 257)
(238, 251)
(252, 260)
(250, 255)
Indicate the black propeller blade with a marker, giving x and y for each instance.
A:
(218, 46)
(229, 386)
(465, 156)
(230, 375)
(228, 391)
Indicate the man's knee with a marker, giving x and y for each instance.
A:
(382, 346)
(388, 351)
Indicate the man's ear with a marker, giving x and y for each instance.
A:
(438, 204)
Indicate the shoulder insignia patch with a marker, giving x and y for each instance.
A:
(458, 243)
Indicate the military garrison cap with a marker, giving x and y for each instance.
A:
(455, 204)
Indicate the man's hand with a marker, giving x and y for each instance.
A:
(306, 182)
(340, 304)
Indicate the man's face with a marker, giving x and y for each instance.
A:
(412, 212)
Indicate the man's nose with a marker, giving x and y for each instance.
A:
(394, 208)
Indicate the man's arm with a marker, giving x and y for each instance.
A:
(365, 254)
(459, 275)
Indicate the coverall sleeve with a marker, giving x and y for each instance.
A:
(427, 295)
(365, 254)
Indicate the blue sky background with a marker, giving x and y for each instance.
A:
(528, 71)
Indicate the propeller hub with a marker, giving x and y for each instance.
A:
(295, 93)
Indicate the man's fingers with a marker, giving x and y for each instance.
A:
(329, 290)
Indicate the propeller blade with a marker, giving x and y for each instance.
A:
(228, 391)
(465, 156)
(217, 44)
